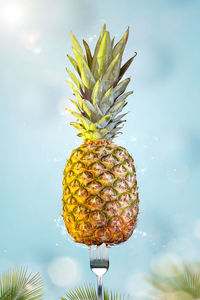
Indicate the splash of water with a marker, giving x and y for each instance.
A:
(60, 225)
(138, 233)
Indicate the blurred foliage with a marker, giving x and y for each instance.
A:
(175, 281)
(19, 285)
(169, 281)
(88, 292)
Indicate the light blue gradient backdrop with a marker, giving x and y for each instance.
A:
(162, 132)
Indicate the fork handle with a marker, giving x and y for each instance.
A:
(99, 282)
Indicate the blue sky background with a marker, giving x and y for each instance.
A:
(162, 134)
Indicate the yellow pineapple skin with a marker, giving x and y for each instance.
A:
(100, 194)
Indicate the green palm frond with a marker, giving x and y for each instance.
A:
(88, 292)
(177, 296)
(176, 281)
(19, 285)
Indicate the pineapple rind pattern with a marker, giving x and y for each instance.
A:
(100, 198)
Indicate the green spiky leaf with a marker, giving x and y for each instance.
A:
(19, 285)
(88, 292)
(74, 78)
(123, 97)
(104, 54)
(114, 124)
(116, 107)
(96, 52)
(75, 103)
(125, 67)
(96, 93)
(76, 93)
(119, 117)
(112, 42)
(85, 122)
(74, 63)
(78, 126)
(88, 53)
(99, 113)
(76, 45)
(119, 47)
(88, 108)
(104, 120)
(121, 87)
(86, 75)
(107, 100)
(112, 73)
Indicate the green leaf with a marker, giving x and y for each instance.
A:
(78, 126)
(106, 130)
(116, 108)
(99, 113)
(76, 93)
(19, 285)
(123, 97)
(88, 52)
(72, 86)
(120, 88)
(74, 63)
(96, 93)
(114, 123)
(119, 47)
(119, 117)
(104, 120)
(94, 126)
(86, 75)
(74, 78)
(110, 136)
(92, 110)
(111, 73)
(126, 66)
(107, 101)
(75, 103)
(96, 50)
(104, 55)
(116, 129)
(88, 292)
(84, 121)
(112, 42)
(88, 108)
(76, 45)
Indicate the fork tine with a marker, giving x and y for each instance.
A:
(101, 252)
(91, 253)
(106, 252)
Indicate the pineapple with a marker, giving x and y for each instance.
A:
(100, 198)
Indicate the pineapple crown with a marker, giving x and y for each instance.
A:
(100, 93)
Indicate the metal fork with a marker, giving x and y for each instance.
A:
(99, 264)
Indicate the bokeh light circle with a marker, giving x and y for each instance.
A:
(64, 271)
